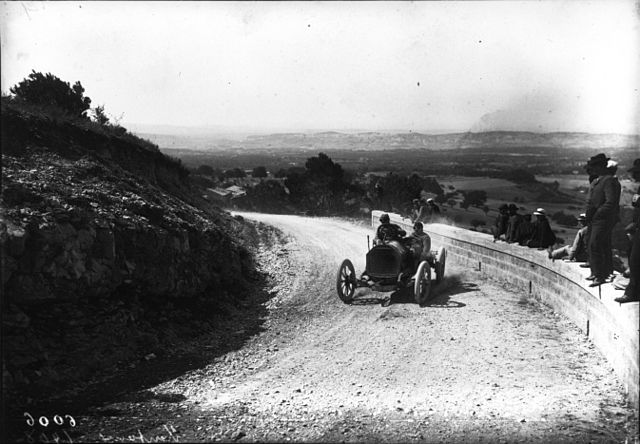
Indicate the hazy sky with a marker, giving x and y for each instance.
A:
(420, 66)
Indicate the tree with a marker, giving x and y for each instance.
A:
(49, 90)
(205, 170)
(259, 172)
(323, 166)
(441, 198)
(474, 197)
(235, 172)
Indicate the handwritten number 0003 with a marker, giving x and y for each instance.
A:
(44, 421)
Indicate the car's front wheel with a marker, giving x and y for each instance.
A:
(346, 281)
(422, 284)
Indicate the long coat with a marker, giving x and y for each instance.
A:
(604, 200)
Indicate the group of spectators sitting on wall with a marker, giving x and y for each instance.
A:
(521, 229)
(593, 241)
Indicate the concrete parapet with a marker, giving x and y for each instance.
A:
(614, 328)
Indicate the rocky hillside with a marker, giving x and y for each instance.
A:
(108, 253)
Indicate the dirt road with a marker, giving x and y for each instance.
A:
(479, 363)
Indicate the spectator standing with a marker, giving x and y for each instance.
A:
(422, 213)
(578, 250)
(415, 210)
(434, 209)
(632, 292)
(512, 226)
(500, 226)
(603, 212)
(592, 177)
(543, 236)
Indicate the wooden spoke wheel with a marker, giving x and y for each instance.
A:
(422, 284)
(346, 281)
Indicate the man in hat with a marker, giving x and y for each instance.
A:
(632, 292)
(603, 212)
(543, 236)
(500, 226)
(434, 210)
(421, 212)
(420, 245)
(524, 232)
(512, 226)
(387, 231)
(578, 250)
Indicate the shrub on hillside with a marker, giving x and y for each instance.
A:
(47, 89)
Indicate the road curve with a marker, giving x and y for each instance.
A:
(479, 363)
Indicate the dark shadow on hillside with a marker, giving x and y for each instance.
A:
(231, 326)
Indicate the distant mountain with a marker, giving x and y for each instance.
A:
(385, 141)
(331, 140)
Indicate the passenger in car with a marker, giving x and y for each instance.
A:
(419, 245)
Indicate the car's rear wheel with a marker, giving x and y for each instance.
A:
(441, 260)
(346, 281)
(422, 284)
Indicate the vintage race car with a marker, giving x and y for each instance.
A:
(389, 267)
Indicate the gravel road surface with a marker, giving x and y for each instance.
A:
(479, 363)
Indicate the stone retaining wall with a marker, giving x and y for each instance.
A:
(614, 328)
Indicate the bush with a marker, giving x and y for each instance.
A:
(205, 170)
(474, 197)
(235, 172)
(259, 172)
(47, 89)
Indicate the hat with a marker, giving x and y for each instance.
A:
(612, 164)
(582, 216)
(384, 218)
(430, 200)
(416, 200)
(598, 159)
(539, 212)
(635, 167)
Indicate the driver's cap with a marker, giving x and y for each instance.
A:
(384, 218)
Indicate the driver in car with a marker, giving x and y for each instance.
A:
(387, 231)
